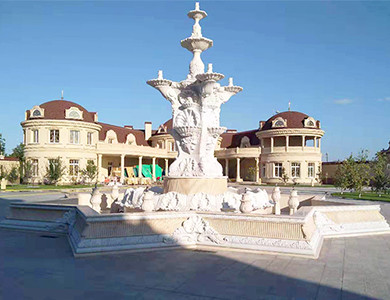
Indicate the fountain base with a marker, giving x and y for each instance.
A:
(195, 185)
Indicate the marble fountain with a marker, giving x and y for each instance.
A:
(196, 208)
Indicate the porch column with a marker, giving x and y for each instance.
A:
(123, 168)
(154, 169)
(272, 144)
(303, 142)
(227, 167)
(140, 167)
(99, 166)
(238, 178)
(166, 167)
(287, 142)
(257, 177)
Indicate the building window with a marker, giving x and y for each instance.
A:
(74, 136)
(35, 136)
(54, 136)
(263, 171)
(89, 138)
(36, 113)
(295, 170)
(278, 170)
(34, 167)
(74, 115)
(73, 167)
(310, 170)
(110, 140)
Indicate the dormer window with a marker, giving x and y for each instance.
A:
(74, 113)
(310, 122)
(279, 122)
(36, 112)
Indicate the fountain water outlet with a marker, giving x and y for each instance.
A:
(293, 201)
(276, 198)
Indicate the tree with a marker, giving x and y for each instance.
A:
(27, 170)
(18, 152)
(55, 170)
(380, 172)
(3, 173)
(90, 170)
(353, 173)
(2, 145)
(13, 175)
(284, 177)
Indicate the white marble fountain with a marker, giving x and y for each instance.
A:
(196, 208)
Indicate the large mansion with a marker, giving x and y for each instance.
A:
(285, 147)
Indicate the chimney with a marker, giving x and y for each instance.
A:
(129, 126)
(148, 130)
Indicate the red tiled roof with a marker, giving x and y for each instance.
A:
(121, 133)
(9, 158)
(233, 139)
(294, 120)
(55, 110)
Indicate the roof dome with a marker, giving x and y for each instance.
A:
(56, 110)
(293, 119)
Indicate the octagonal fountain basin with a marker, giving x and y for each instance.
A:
(301, 234)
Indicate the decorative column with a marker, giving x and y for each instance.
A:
(257, 178)
(166, 167)
(287, 142)
(315, 142)
(319, 143)
(123, 168)
(272, 144)
(238, 178)
(227, 167)
(140, 167)
(99, 166)
(303, 142)
(154, 169)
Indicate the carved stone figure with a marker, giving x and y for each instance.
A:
(293, 202)
(276, 198)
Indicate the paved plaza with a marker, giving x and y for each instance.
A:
(41, 266)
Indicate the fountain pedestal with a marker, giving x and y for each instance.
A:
(196, 105)
(194, 185)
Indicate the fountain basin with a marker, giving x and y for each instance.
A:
(194, 185)
(302, 234)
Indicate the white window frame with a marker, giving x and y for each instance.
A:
(295, 170)
(89, 138)
(74, 137)
(55, 130)
(35, 167)
(74, 167)
(35, 136)
(311, 170)
(278, 170)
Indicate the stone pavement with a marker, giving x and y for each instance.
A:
(41, 266)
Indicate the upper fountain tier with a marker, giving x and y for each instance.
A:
(196, 43)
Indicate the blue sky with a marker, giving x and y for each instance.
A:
(330, 59)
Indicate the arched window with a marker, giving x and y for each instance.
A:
(36, 113)
(279, 122)
(74, 114)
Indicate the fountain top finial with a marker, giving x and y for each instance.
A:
(197, 6)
